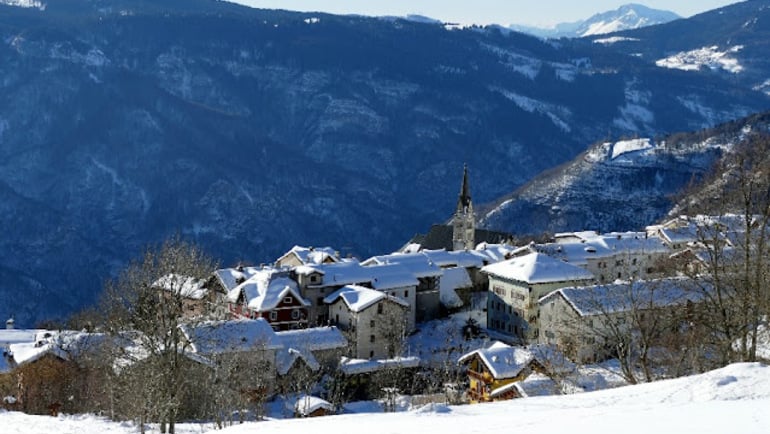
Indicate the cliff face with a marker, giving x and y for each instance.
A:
(125, 122)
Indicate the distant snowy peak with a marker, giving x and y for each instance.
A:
(24, 3)
(626, 17)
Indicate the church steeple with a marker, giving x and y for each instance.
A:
(464, 221)
(465, 190)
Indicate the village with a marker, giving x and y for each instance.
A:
(459, 315)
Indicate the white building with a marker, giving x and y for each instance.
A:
(516, 285)
(376, 322)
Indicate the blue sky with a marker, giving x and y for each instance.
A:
(540, 12)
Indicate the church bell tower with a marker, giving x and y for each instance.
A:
(464, 221)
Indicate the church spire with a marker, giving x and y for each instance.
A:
(465, 191)
(464, 221)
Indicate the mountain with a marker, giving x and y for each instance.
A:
(620, 185)
(731, 41)
(248, 131)
(626, 17)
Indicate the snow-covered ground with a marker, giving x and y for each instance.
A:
(710, 57)
(728, 400)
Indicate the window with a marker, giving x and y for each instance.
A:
(314, 278)
(371, 354)
(406, 294)
(295, 313)
(379, 308)
(371, 323)
(371, 338)
(273, 315)
(287, 300)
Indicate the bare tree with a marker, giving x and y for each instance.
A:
(147, 300)
(734, 248)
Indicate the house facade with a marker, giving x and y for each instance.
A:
(516, 285)
(585, 322)
(271, 295)
(375, 322)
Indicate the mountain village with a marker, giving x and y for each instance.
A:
(530, 314)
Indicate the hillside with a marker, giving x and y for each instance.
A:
(248, 131)
(620, 185)
(732, 399)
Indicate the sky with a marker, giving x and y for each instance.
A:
(504, 12)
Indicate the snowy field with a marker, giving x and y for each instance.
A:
(735, 399)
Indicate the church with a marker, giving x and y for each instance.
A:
(461, 233)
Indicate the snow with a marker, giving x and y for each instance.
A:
(731, 399)
(306, 405)
(217, 337)
(614, 39)
(452, 280)
(265, 290)
(710, 57)
(626, 146)
(419, 265)
(537, 268)
(188, 287)
(312, 255)
(25, 3)
(231, 277)
(363, 366)
(358, 298)
(624, 297)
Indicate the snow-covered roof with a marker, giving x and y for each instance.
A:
(452, 280)
(578, 247)
(493, 252)
(265, 290)
(358, 298)
(623, 297)
(537, 268)
(382, 277)
(391, 276)
(186, 286)
(219, 337)
(537, 384)
(363, 366)
(418, 264)
(232, 277)
(17, 336)
(306, 405)
(502, 360)
(311, 255)
(344, 273)
(457, 258)
(285, 358)
(313, 339)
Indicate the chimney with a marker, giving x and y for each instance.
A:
(10, 324)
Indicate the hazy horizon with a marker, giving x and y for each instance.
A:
(504, 12)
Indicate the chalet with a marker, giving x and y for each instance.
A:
(578, 320)
(517, 284)
(376, 322)
(493, 371)
(299, 255)
(272, 295)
